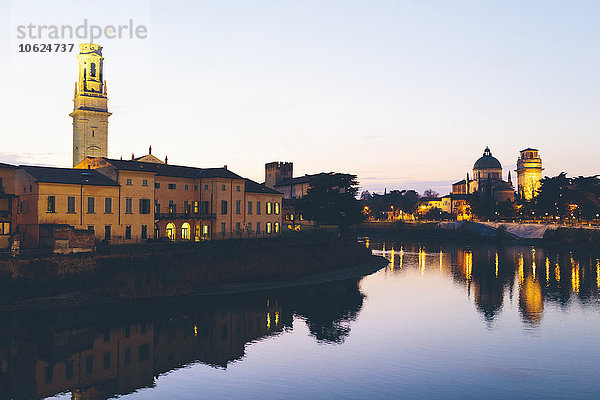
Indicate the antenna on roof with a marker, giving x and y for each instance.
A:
(150, 149)
(166, 160)
(132, 156)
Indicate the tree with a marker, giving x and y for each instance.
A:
(331, 199)
(430, 193)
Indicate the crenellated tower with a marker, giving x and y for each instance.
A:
(90, 106)
(529, 173)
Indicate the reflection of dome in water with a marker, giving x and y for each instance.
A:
(531, 301)
(487, 161)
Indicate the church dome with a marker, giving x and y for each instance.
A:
(487, 161)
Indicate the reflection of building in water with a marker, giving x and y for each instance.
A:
(95, 355)
(531, 301)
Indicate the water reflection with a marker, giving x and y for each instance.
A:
(97, 353)
(491, 273)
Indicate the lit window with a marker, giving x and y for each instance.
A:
(171, 231)
(196, 207)
(269, 208)
(276, 227)
(276, 207)
(185, 231)
(269, 227)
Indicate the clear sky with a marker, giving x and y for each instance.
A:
(405, 94)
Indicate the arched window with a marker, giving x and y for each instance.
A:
(171, 231)
(93, 70)
(185, 231)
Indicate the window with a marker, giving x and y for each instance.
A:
(187, 208)
(268, 227)
(223, 207)
(249, 207)
(249, 227)
(276, 227)
(69, 369)
(128, 206)
(4, 228)
(145, 182)
(156, 207)
(171, 231)
(129, 182)
(91, 205)
(127, 231)
(23, 207)
(89, 365)
(49, 373)
(186, 187)
(223, 228)
(237, 189)
(205, 207)
(70, 205)
(258, 208)
(106, 360)
(185, 231)
(195, 187)
(107, 205)
(107, 232)
(269, 208)
(223, 188)
(196, 207)
(91, 228)
(127, 360)
(143, 352)
(93, 70)
(238, 207)
(205, 187)
(156, 185)
(144, 231)
(205, 230)
(145, 206)
(51, 204)
(276, 208)
(172, 207)
(258, 227)
(172, 186)
(238, 227)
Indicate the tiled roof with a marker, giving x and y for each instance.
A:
(3, 165)
(255, 187)
(70, 176)
(177, 171)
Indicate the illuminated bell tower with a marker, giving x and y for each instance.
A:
(90, 109)
(529, 173)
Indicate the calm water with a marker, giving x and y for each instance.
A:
(440, 321)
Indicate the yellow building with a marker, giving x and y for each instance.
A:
(82, 199)
(7, 203)
(529, 173)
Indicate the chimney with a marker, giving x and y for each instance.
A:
(132, 156)
(150, 149)
(166, 160)
(225, 166)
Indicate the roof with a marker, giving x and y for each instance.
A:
(459, 182)
(487, 161)
(3, 165)
(299, 180)
(177, 171)
(529, 149)
(255, 187)
(68, 176)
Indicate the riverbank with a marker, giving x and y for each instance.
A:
(534, 234)
(207, 268)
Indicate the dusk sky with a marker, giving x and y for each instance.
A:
(405, 94)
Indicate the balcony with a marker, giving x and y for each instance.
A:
(190, 215)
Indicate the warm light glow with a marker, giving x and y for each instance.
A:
(268, 321)
(547, 271)
(195, 330)
(469, 265)
(557, 272)
(496, 264)
(276, 318)
(574, 276)
(598, 274)
(521, 269)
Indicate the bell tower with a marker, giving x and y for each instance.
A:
(90, 106)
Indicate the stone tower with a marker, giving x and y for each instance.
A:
(90, 109)
(276, 172)
(529, 173)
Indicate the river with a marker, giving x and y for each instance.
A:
(442, 320)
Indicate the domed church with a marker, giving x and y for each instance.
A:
(487, 179)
